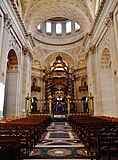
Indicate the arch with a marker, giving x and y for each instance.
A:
(83, 81)
(74, 11)
(12, 60)
(34, 81)
(11, 86)
(105, 59)
(66, 58)
(106, 79)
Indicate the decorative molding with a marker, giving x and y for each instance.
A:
(109, 20)
(8, 22)
(26, 51)
(21, 21)
(90, 51)
(97, 18)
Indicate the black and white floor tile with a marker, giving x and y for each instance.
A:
(59, 142)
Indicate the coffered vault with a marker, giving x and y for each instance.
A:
(38, 11)
(35, 12)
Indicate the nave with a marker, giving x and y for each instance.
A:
(74, 137)
(59, 142)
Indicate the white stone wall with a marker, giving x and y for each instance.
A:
(12, 36)
(104, 81)
(38, 74)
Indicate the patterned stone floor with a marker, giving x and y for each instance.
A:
(59, 142)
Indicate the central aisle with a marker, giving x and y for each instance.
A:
(59, 142)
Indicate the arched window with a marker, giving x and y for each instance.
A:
(77, 26)
(68, 27)
(83, 81)
(39, 27)
(48, 27)
(105, 59)
(34, 82)
(58, 28)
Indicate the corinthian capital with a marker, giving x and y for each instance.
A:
(25, 50)
(7, 21)
(92, 49)
(109, 20)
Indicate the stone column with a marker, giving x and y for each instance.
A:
(5, 25)
(63, 28)
(53, 29)
(26, 74)
(72, 27)
(92, 84)
(1, 33)
(43, 28)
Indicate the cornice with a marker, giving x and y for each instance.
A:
(21, 21)
(90, 51)
(109, 20)
(26, 51)
(97, 18)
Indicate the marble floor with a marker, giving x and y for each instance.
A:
(59, 142)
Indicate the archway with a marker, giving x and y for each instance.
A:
(11, 86)
(106, 82)
(59, 84)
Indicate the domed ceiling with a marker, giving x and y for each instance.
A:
(35, 12)
(38, 11)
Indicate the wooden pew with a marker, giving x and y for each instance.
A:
(29, 129)
(88, 128)
(10, 148)
(106, 146)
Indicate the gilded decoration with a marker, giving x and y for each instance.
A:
(37, 52)
(59, 74)
(81, 58)
(36, 64)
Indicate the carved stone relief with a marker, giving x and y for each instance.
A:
(81, 58)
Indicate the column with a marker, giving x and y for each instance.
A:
(53, 29)
(1, 84)
(72, 27)
(63, 28)
(91, 105)
(27, 104)
(26, 73)
(68, 104)
(43, 28)
(5, 25)
(50, 104)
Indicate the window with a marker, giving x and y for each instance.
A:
(48, 27)
(68, 27)
(39, 27)
(77, 26)
(58, 28)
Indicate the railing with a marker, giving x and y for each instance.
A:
(35, 88)
(83, 88)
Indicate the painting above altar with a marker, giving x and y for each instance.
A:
(59, 108)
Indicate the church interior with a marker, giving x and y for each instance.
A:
(59, 79)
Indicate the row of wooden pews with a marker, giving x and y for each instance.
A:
(27, 130)
(99, 135)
